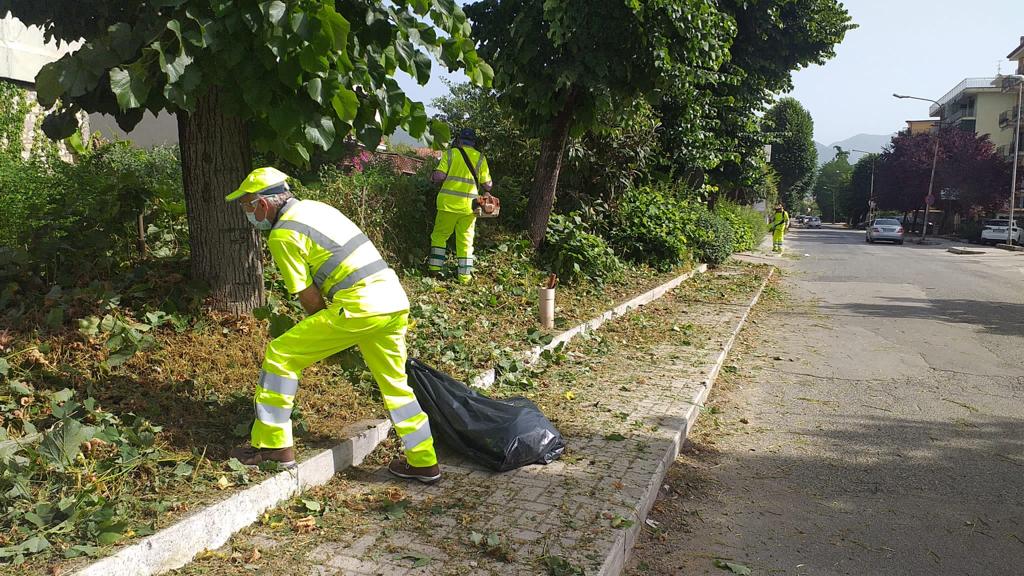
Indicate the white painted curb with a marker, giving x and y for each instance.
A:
(486, 378)
(956, 250)
(211, 527)
(621, 550)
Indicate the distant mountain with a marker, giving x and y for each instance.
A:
(869, 142)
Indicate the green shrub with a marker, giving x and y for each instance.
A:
(575, 254)
(648, 226)
(395, 211)
(748, 225)
(709, 236)
(85, 216)
(971, 230)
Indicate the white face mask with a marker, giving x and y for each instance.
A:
(258, 224)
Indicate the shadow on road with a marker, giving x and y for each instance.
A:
(1002, 318)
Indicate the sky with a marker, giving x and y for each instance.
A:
(917, 47)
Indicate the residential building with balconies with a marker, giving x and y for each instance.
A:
(975, 104)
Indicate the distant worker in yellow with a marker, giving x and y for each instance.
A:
(352, 298)
(462, 173)
(778, 226)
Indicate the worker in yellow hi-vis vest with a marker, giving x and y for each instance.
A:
(462, 173)
(352, 298)
(778, 226)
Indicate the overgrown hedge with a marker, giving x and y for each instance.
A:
(659, 226)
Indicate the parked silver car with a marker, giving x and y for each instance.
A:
(888, 229)
(813, 222)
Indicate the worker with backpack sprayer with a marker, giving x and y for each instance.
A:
(462, 172)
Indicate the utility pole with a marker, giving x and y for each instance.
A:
(1016, 158)
(935, 156)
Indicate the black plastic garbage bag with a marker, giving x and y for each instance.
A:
(501, 434)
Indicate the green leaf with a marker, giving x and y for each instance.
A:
(339, 27)
(48, 88)
(129, 86)
(493, 540)
(63, 395)
(108, 538)
(476, 537)
(60, 125)
(121, 40)
(275, 12)
(81, 550)
(417, 120)
(422, 64)
(61, 445)
(315, 90)
(279, 323)
(732, 567)
(396, 510)
(235, 465)
(313, 61)
(615, 437)
(54, 318)
(35, 544)
(5, 367)
(20, 388)
(312, 505)
(346, 104)
(439, 132)
(183, 469)
(321, 133)
(262, 313)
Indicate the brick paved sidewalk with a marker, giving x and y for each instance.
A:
(618, 397)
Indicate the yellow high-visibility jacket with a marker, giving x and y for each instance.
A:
(314, 244)
(459, 190)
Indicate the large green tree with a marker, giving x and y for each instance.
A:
(832, 187)
(773, 39)
(563, 65)
(288, 78)
(794, 156)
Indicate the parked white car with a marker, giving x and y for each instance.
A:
(995, 232)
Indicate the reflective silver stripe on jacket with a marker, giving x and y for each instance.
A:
(272, 414)
(339, 253)
(460, 194)
(461, 179)
(403, 413)
(279, 384)
(414, 439)
(479, 163)
(357, 275)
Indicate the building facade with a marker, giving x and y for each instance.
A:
(24, 51)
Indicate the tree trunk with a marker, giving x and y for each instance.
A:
(545, 177)
(215, 158)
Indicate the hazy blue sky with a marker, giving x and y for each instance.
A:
(917, 47)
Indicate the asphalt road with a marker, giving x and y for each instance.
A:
(885, 435)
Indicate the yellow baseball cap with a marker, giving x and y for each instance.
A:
(258, 181)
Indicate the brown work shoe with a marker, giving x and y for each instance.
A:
(251, 456)
(426, 474)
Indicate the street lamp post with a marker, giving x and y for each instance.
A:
(1016, 158)
(871, 194)
(935, 157)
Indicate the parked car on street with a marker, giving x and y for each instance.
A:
(888, 229)
(995, 231)
(813, 222)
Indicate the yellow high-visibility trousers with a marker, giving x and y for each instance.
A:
(381, 340)
(464, 227)
(777, 236)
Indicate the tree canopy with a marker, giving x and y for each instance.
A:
(302, 75)
(794, 156)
